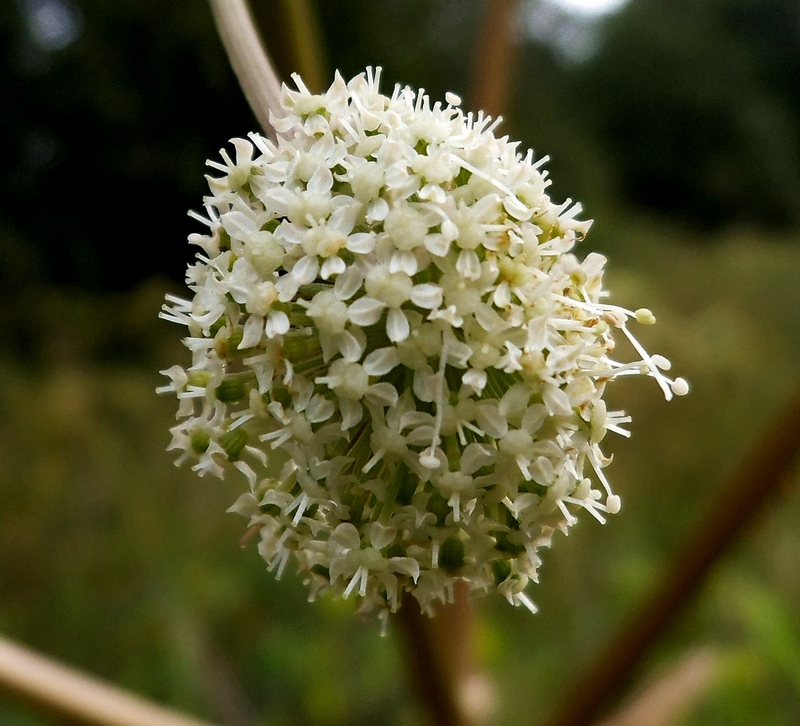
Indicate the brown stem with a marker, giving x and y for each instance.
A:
(438, 656)
(759, 477)
(494, 57)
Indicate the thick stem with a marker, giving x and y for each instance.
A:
(437, 651)
(249, 60)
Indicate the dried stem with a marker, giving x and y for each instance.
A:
(670, 695)
(759, 477)
(249, 59)
(74, 697)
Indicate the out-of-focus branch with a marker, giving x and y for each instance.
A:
(77, 698)
(494, 57)
(249, 59)
(664, 701)
(759, 477)
(292, 31)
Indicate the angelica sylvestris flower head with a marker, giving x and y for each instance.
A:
(394, 344)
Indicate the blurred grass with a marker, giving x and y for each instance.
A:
(117, 562)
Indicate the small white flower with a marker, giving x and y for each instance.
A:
(387, 310)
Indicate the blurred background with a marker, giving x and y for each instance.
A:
(676, 124)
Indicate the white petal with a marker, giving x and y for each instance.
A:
(404, 261)
(349, 346)
(449, 230)
(251, 333)
(406, 566)
(474, 457)
(541, 470)
(321, 180)
(425, 386)
(365, 311)
(277, 323)
(491, 421)
(332, 266)
(468, 265)
(489, 320)
(433, 193)
(381, 361)
(537, 333)
(556, 400)
(343, 218)
(534, 417)
(420, 436)
(517, 209)
(564, 357)
(427, 296)
(515, 400)
(305, 271)
(319, 409)
(459, 353)
(361, 243)
(347, 283)
(397, 325)
(475, 378)
(437, 244)
(502, 295)
(246, 506)
(286, 287)
(352, 412)
(345, 537)
(377, 211)
(278, 200)
(381, 536)
(383, 393)
(238, 225)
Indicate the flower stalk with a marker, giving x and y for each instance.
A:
(436, 668)
(249, 59)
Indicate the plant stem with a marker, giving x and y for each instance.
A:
(759, 477)
(494, 56)
(76, 698)
(249, 60)
(437, 652)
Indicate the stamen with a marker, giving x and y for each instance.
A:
(567, 515)
(429, 460)
(523, 599)
(589, 505)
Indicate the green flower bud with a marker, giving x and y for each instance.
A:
(232, 442)
(451, 554)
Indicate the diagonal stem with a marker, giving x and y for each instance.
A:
(759, 477)
(75, 697)
(249, 59)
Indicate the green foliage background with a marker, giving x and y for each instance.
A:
(681, 133)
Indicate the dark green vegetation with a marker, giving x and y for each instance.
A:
(681, 134)
(689, 110)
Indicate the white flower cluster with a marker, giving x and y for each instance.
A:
(386, 317)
